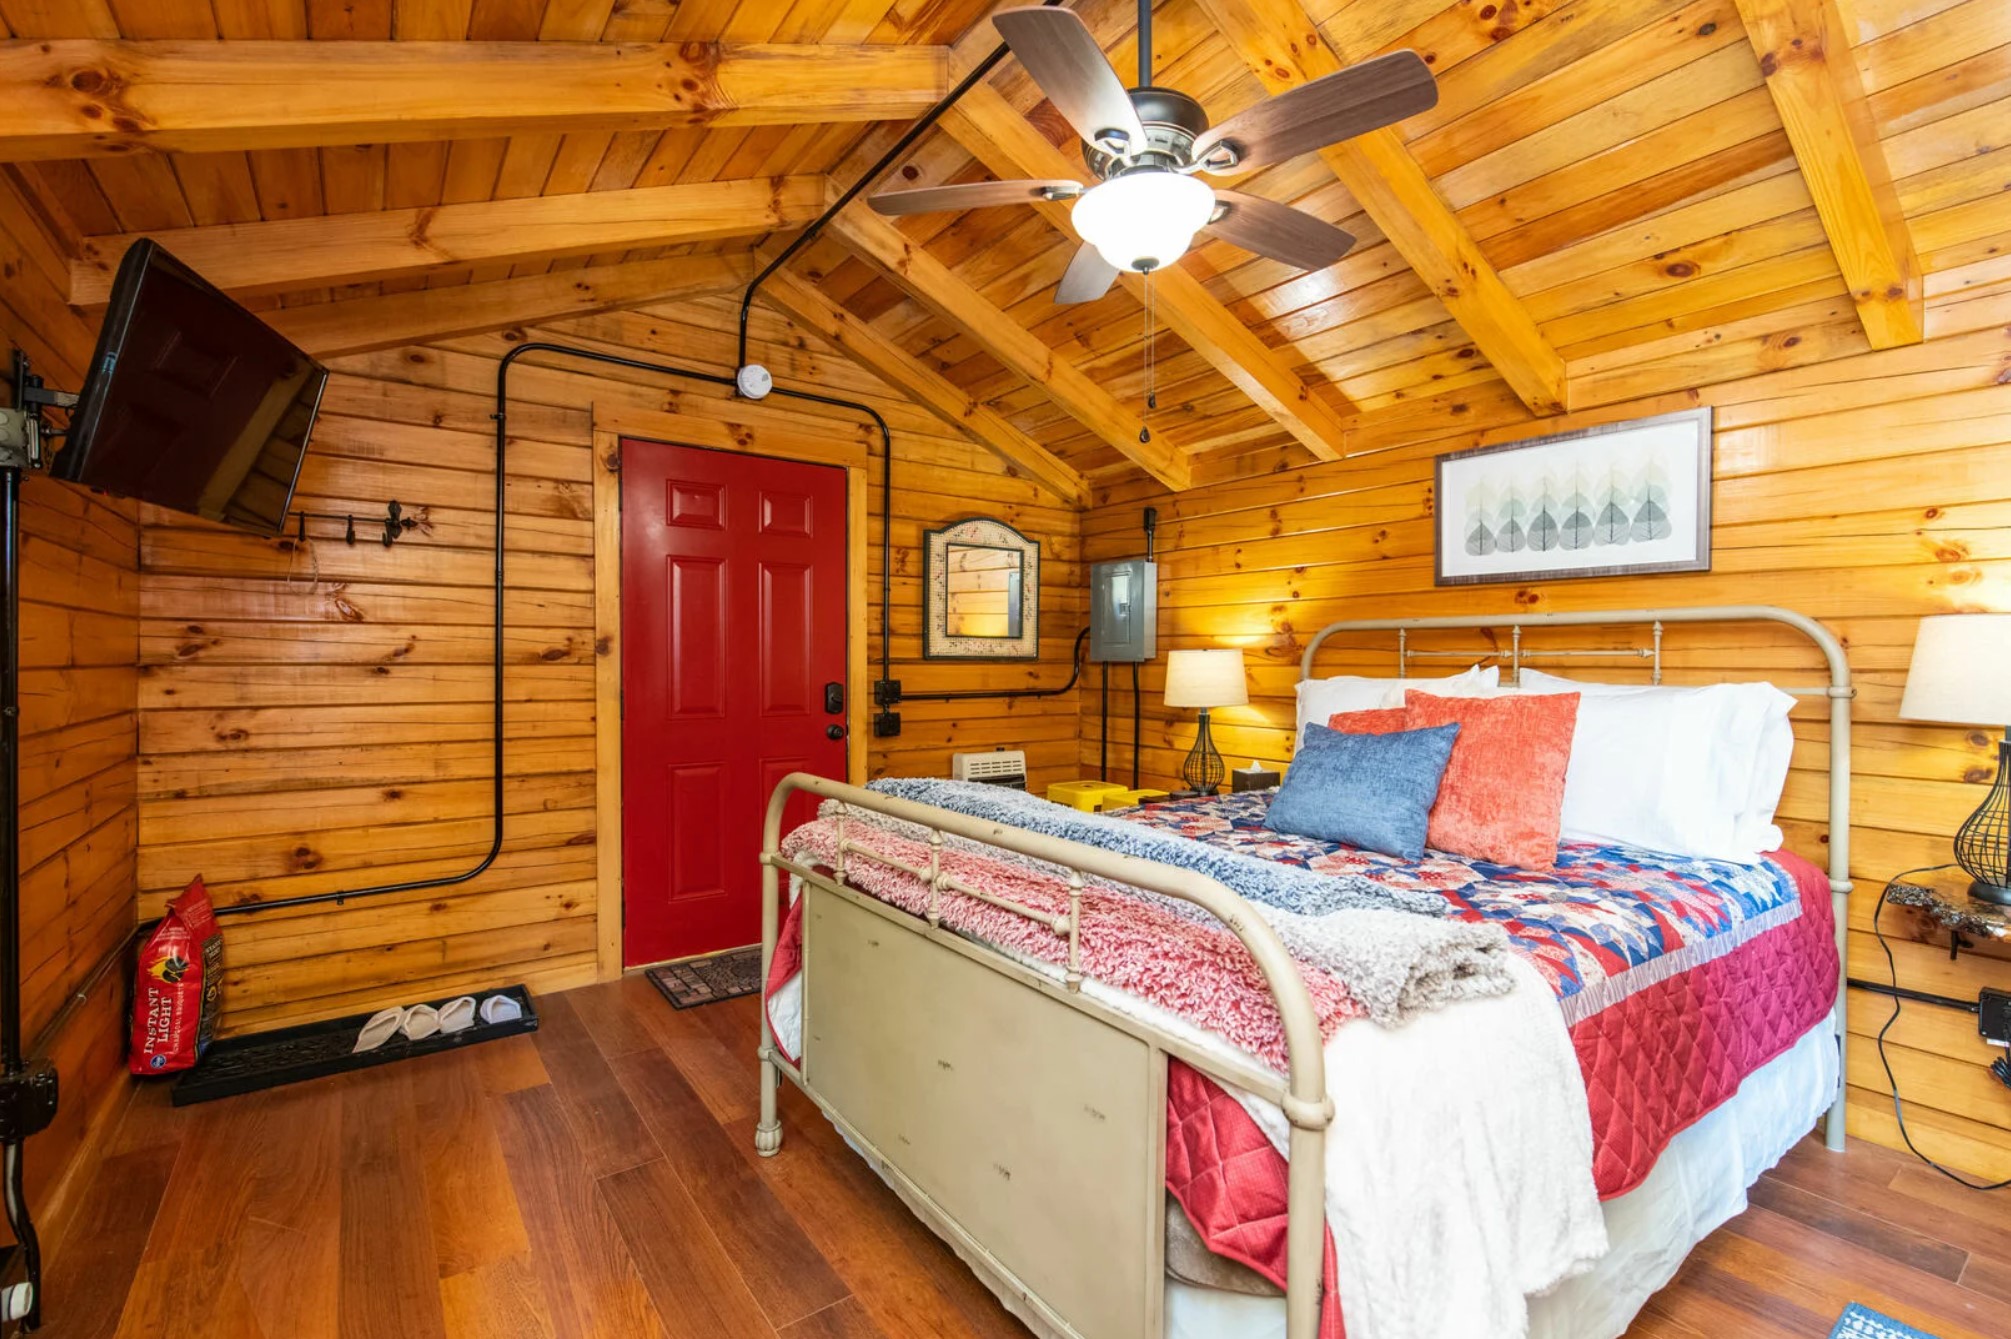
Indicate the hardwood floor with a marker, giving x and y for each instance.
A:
(599, 1179)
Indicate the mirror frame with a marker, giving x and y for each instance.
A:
(981, 532)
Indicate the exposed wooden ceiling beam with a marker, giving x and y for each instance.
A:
(75, 99)
(928, 388)
(1804, 51)
(930, 282)
(1284, 48)
(391, 320)
(291, 254)
(992, 131)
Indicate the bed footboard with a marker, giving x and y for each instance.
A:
(1021, 1118)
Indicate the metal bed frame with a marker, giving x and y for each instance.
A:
(1042, 1163)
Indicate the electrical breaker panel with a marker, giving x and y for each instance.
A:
(1123, 610)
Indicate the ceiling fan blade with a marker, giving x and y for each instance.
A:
(1352, 102)
(1057, 49)
(1279, 231)
(1089, 277)
(972, 195)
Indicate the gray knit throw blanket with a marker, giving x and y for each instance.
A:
(1396, 950)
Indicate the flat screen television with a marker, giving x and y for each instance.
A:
(191, 402)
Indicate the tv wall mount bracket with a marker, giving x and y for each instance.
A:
(23, 429)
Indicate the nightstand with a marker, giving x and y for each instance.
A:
(1943, 897)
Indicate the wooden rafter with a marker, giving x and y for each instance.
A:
(990, 130)
(289, 254)
(930, 282)
(1284, 48)
(930, 389)
(76, 99)
(1804, 52)
(391, 320)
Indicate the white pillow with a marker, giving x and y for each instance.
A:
(1692, 771)
(1321, 698)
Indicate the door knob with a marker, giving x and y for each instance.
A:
(834, 732)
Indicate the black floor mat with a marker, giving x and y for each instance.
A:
(721, 976)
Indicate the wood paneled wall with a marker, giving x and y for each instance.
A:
(1866, 490)
(79, 649)
(316, 718)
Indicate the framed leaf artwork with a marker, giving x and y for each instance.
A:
(1620, 499)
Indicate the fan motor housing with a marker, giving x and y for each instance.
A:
(1172, 123)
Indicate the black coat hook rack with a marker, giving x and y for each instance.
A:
(394, 521)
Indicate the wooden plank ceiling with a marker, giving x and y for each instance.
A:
(1612, 199)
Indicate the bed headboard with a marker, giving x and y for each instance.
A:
(1837, 690)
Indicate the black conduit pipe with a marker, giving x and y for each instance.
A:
(501, 417)
(867, 178)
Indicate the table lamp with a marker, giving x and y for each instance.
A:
(1961, 675)
(1205, 679)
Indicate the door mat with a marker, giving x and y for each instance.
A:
(1861, 1322)
(258, 1060)
(707, 980)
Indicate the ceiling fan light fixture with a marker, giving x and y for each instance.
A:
(1143, 221)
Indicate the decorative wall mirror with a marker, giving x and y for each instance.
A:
(983, 592)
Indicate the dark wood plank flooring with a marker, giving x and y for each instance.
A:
(599, 1179)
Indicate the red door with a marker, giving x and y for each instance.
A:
(733, 673)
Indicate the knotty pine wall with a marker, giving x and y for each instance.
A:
(79, 649)
(317, 719)
(1865, 490)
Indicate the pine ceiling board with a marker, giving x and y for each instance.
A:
(1730, 320)
(1666, 272)
(1569, 34)
(1461, 31)
(1634, 164)
(60, 18)
(505, 20)
(473, 166)
(1956, 184)
(344, 20)
(1688, 35)
(1868, 20)
(1934, 43)
(266, 20)
(1723, 74)
(77, 203)
(1970, 133)
(431, 20)
(1753, 160)
(1392, 285)
(217, 187)
(1942, 93)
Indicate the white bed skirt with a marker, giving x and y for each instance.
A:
(1698, 1184)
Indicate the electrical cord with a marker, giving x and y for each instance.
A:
(1892, 1081)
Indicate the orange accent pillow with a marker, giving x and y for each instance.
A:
(1502, 797)
(1369, 721)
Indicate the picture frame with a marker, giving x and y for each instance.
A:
(1619, 499)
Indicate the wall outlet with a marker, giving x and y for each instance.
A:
(1993, 1016)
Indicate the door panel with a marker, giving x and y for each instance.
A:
(734, 620)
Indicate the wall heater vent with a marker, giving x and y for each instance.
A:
(1000, 767)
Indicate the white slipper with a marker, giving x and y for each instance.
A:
(382, 1027)
(501, 1009)
(421, 1022)
(457, 1015)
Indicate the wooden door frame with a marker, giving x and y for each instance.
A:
(611, 423)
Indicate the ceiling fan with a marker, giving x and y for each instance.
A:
(1146, 144)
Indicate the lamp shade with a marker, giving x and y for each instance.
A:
(1205, 679)
(1143, 221)
(1961, 671)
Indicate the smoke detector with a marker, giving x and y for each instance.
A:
(753, 381)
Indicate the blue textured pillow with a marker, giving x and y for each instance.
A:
(1373, 792)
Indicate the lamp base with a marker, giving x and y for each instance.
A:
(1990, 892)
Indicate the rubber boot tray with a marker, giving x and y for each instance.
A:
(313, 1050)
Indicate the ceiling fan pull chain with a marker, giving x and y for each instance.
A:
(1151, 360)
